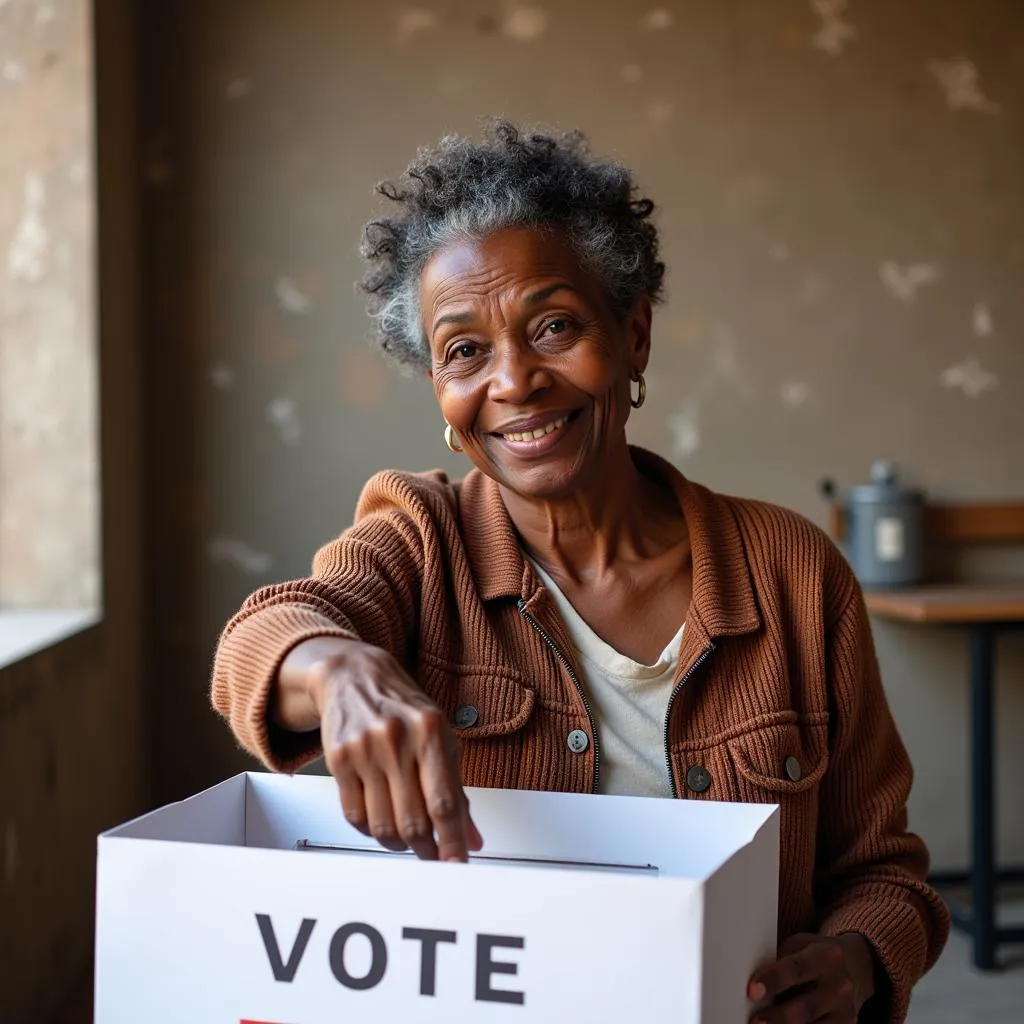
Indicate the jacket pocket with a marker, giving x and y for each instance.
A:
(482, 706)
(489, 713)
(787, 759)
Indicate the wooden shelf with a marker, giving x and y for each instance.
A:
(950, 603)
(965, 523)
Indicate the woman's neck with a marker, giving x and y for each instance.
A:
(619, 517)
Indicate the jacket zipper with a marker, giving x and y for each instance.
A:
(668, 713)
(579, 688)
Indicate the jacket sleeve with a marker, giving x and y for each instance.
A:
(871, 869)
(365, 585)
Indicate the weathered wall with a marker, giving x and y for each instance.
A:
(842, 193)
(73, 756)
(49, 489)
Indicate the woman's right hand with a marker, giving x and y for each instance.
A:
(390, 749)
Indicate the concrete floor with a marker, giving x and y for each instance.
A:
(955, 993)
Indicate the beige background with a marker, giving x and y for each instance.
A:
(842, 204)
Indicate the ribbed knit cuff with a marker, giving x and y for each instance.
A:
(248, 663)
(893, 926)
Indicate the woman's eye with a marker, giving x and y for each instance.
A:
(464, 350)
(557, 327)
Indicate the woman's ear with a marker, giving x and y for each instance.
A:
(638, 334)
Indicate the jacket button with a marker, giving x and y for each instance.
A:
(466, 717)
(578, 741)
(793, 769)
(698, 779)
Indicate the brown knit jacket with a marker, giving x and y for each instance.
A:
(777, 663)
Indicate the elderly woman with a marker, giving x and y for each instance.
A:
(575, 614)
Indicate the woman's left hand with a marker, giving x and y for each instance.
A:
(815, 979)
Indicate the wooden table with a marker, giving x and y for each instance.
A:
(982, 610)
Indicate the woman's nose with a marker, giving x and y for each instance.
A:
(518, 374)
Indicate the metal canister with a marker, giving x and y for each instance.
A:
(885, 530)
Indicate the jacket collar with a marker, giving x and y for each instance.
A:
(723, 593)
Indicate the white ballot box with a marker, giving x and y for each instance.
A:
(256, 902)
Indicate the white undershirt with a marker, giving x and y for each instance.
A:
(629, 700)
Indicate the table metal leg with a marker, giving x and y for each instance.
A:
(983, 873)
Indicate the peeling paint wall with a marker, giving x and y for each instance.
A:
(49, 487)
(842, 201)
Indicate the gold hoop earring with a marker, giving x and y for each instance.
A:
(641, 394)
(450, 439)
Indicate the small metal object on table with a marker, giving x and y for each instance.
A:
(982, 611)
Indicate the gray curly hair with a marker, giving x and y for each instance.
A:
(461, 189)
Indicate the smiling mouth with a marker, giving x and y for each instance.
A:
(533, 435)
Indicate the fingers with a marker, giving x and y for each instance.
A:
(380, 811)
(816, 1004)
(799, 968)
(379, 785)
(399, 782)
(475, 839)
(395, 759)
(393, 814)
(810, 983)
(445, 800)
(412, 820)
(794, 943)
(353, 802)
(365, 792)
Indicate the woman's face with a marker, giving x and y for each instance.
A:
(530, 365)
